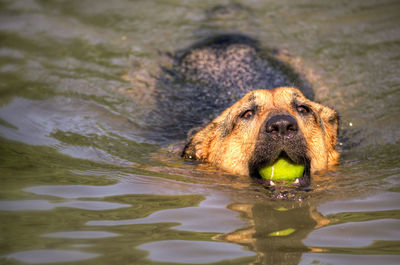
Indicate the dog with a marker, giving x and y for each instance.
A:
(264, 125)
(260, 115)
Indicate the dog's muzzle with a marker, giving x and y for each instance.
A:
(280, 136)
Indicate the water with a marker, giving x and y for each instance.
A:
(85, 179)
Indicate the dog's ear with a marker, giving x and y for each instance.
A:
(329, 120)
(198, 145)
(195, 143)
(189, 151)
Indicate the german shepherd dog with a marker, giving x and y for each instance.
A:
(264, 116)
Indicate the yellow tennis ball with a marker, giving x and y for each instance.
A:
(282, 170)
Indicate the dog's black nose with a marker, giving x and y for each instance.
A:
(284, 126)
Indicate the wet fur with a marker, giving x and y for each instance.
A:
(239, 146)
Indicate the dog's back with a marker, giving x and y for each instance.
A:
(233, 63)
(211, 75)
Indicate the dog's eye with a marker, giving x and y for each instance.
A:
(302, 109)
(247, 114)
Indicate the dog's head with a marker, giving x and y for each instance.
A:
(264, 125)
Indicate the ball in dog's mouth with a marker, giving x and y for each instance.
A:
(283, 170)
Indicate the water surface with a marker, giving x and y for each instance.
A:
(87, 179)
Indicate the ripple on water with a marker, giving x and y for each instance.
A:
(194, 252)
(136, 185)
(328, 258)
(81, 234)
(379, 202)
(50, 256)
(354, 234)
(43, 205)
(210, 216)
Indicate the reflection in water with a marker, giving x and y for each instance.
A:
(276, 234)
(278, 231)
(283, 232)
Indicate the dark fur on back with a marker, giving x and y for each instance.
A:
(212, 74)
(234, 63)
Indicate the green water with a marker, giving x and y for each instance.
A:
(85, 180)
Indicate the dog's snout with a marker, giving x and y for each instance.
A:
(284, 126)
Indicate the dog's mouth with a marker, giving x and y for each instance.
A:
(283, 171)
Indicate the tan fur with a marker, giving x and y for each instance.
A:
(231, 148)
